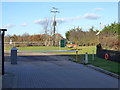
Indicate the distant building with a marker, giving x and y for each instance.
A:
(58, 37)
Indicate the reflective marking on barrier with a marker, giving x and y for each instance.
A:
(41, 51)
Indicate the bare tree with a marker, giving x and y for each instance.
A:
(25, 37)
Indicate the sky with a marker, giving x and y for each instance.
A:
(31, 17)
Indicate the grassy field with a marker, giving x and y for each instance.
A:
(102, 63)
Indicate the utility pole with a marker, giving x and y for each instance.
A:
(54, 24)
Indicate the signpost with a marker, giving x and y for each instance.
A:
(62, 43)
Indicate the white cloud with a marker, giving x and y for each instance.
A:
(92, 16)
(62, 20)
(86, 16)
(24, 24)
(98, 9)
(41, 21)
(8, 26)
(58, 20)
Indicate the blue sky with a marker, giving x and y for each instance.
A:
(30, 17)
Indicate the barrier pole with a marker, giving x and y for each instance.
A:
(93, 55)
(86, 58)
(76, 54)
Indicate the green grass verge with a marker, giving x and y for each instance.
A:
(99, 62)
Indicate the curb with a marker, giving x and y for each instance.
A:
(104, 71)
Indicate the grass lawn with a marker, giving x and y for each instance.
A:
(81, 49)
(99, 62)
(36, 48)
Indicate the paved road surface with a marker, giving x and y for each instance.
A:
(53, 72)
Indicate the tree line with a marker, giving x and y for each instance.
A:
(26, 37)
(108, 36)
(32, 40)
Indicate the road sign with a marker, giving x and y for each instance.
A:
(62, 43)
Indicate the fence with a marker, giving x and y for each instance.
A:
(25, 44)
(113, 55)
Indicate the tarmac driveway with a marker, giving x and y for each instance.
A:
(52, 71)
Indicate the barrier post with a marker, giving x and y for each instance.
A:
(13, 55)
(76, 54)
(86, 58)
(93, 56)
